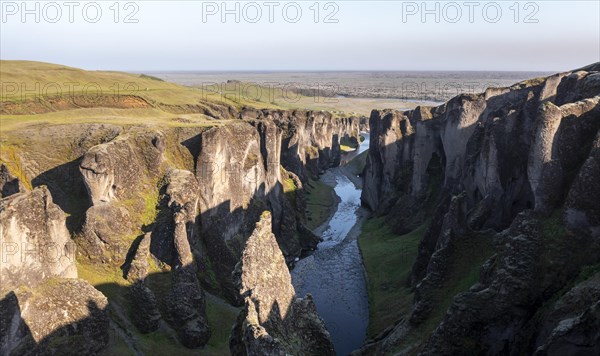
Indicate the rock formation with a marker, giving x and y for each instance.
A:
(239, 169)
(520, 165)
(274, 321)
(61, 316)
(115, 173)
(36, 244)
(44, 309)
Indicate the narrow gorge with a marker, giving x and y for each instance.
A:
(472, 227)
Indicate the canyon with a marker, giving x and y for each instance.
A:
(191, 233)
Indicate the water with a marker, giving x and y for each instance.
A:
(334, 273)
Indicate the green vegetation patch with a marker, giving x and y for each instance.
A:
(320, 202)
(388, 259)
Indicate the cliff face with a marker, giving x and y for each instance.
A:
(475, 139)
(41, 297)
(515, 158)
(114, 174)
(274, 321)
(36, 244)
(239, 169)
(193, 223)
(310, 139)
(9, 184)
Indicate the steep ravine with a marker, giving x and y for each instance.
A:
(514, 171)
(160, 214)
(152, 216)
(333, 274)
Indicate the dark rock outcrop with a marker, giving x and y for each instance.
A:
(9, 184)
(187, 306)
(274, 321)
(519, 164)
(174, 233)
(572, 326)
(102, 238)
(137, 270)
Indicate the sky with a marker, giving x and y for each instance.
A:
(303, 35)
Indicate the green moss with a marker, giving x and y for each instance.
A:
(250, 161)
(553, 228)
(10, 157)
(311, 151)
(150, 207)
(289, 186)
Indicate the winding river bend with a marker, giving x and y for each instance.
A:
(334, 274)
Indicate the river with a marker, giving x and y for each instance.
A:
(334, 273)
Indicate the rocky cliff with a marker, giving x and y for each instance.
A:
(274, 321)
(36, 244)
(239, 168)
(44, 308)
(519, 159)
(160, 214)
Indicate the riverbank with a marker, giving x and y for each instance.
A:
(334, 273)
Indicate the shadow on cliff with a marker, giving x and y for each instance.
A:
(66, 185)
(76, 338)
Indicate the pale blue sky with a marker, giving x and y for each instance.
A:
(369, 35)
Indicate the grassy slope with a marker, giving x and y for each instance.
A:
(46, 79)
(388, 260)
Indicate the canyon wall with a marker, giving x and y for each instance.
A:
(522, 159)
(166, 209)
(41, 297)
